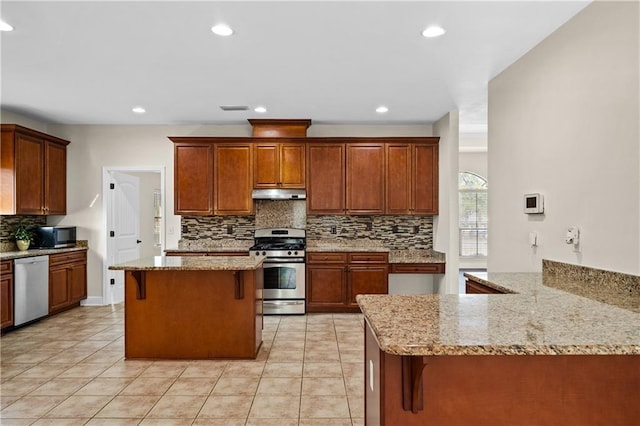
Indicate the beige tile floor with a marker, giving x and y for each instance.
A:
(70, 370)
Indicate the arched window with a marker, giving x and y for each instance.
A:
(473, 215)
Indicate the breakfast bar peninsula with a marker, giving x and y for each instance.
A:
(193, 307)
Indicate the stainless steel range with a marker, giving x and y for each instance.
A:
(284, 269)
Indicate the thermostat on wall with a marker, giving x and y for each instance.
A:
(533, 203)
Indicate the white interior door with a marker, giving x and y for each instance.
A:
(125, 227)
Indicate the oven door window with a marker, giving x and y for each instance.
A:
(280, 278)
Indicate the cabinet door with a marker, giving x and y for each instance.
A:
(193, 179)
(6, 294)
(326, 287)
(325, 178)
(233, 179)
(292, 165)
(267, 171)
(371, 279)
(29, 175)
(425, 179)
(77, 275)
(365, 179)
(55, 178)
(58, 289)
(398, 176)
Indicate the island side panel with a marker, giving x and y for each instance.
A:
(506, 390)
(191, 315)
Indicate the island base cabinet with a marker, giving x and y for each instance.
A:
(193, 314)
(500, 389)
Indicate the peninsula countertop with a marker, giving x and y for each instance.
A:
(534, 320)
(191, 263)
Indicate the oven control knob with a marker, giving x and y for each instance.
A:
(295, 252)
(289, 253)
(264, 253)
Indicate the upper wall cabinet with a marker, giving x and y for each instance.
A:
(326, 178)
(372, 176)
(279, 165)
(212, 176)
(412, 177)
(33, 172)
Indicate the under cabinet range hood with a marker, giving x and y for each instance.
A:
(279, 194)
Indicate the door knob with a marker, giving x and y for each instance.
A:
(138, 241)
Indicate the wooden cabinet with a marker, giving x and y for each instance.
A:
(233, 179)
(411, 178)
(6, 294)
(326, 282)
(212, 176)
(67, 280)
(335, 279)
(193, 179)
(474, 287)
(373, 176)
(326, 178)
(279, 165)
(365, 178)
(417, 268)
(33, 172)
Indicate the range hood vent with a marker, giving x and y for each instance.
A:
(279, 194)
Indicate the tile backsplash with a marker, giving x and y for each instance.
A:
(394, 232)
(8, 225)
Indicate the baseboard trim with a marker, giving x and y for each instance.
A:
(93, 301)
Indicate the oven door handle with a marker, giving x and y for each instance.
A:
(281, 303)
(283, 261)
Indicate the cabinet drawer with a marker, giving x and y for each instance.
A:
(68, 257)
(208, 253)
(417, 268)
(368, 257)
(6, 267)
(326, 258)
(473, 287)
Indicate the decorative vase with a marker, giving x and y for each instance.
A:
(22, 244)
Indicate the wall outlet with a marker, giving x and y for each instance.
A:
(394, 229)
(416, 229)
(333, 229)
(368, 226)
(229, 229)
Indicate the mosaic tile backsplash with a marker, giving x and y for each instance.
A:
(393, 232)
(8, 225)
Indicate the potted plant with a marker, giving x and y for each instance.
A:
(23, 237)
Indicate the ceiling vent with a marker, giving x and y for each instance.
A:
(234, 107)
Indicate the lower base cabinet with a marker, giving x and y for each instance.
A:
(67, 280)
(335, 279)
(6, 294)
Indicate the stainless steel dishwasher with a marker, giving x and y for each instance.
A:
(31, 286)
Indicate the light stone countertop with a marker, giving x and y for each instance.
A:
(538, 320)
(191, 263)
(9, 255)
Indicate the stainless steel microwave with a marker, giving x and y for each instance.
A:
(54, 236)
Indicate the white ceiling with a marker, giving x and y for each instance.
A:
(90, 62)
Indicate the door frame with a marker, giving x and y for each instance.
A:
(107, 209)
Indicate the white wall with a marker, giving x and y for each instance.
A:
(445, 225)
(563, 121)
(474, 162)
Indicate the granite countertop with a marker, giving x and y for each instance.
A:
(221, 246)
(395, 256)
(9, 255)
(191, 263)
(535, 320)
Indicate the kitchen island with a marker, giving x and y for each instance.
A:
(193, 307)
(541, 357)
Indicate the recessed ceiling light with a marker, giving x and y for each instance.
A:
(5, 27)
(138, 110)
(260, 109)
(433, 31)
(382, 109)
(222, 30)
